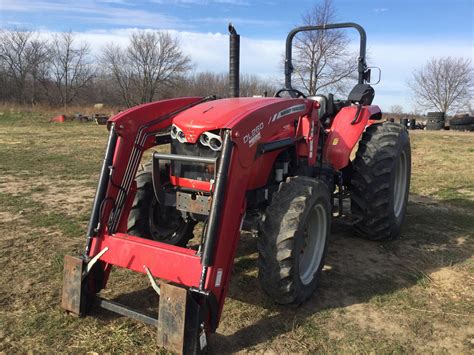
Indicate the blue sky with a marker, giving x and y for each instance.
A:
(402, 34)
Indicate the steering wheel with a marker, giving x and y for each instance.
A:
(297, 92)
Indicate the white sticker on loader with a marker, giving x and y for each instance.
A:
(218, 278)
(202, 340)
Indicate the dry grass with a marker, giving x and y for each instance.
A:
(47, 111)
(414, 294)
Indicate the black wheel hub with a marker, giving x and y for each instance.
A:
(166, 223)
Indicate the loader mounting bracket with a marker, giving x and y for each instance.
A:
(185, 316)
(81, 281)
(182, 316)
(73, 299)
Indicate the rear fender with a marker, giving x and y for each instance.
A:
(343, 135)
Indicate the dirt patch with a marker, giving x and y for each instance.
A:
(450, 339)
(452, 284)
(6, 217)
(73, 200)
(469, 194)
(368, 318)
(71, 197)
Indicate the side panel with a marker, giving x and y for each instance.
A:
(263, 164)
(265, 124)
(343, 135)
(261, 170)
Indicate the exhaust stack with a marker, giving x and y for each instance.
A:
(234, 62)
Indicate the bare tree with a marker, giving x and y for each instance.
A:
(208, 83)
(21, 54)
(151, 62)
(251, 85)
(323, 60)
(398, 109)
(117, 66)
(40, 55)
(203, 84)
(70, 69)
(443, 83)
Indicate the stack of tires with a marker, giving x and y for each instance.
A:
(435, 121)
(462, 123)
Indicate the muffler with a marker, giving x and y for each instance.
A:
(234, 62)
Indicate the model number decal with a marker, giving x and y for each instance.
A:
(286, 112)
(254, 136)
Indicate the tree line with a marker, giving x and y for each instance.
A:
(62, 71)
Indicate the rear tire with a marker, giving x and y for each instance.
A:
(436, 116)
(381, 181)
(148, 219)
(459, 121)
(463, 127)
(434, 125)
(293, 240)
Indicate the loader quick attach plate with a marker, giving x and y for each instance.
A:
(72, 297)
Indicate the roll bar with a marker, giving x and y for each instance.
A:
(362, 66)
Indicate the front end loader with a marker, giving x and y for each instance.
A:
(279, 167)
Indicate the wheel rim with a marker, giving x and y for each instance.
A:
(400, 187)
(314, 242)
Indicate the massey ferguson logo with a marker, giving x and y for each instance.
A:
(254, 136)
(286, 112)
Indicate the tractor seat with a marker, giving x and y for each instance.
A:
(361, 94)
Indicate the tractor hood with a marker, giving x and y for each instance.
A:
(218, 114)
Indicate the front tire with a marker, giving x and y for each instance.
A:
(293, 240)
(381, 181)
(148, 219)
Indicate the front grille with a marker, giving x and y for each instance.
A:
(194, 171)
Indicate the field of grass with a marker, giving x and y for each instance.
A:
(414, 294)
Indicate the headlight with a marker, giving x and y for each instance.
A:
(177, 133)
(211, 140)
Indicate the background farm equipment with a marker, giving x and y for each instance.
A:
(277, 166)
(464, 122)
(98, 118)
(435, 121)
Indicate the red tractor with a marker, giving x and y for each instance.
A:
(277, 166)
